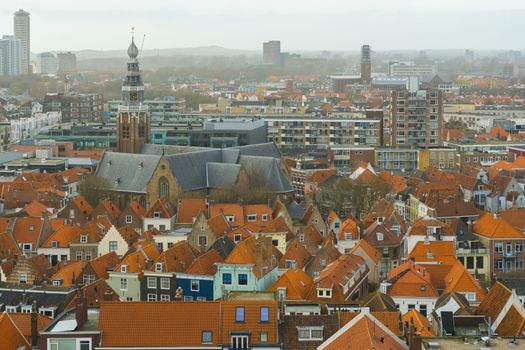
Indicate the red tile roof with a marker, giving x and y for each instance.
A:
(189, 208)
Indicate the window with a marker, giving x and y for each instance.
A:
(310, 333)
(123, 284)
(499, 264)
(188, 298)
(242, 279)
(79, 255)
(22, 278)
(252, 217)
(152, 297)
(54, 244)
(423, 309)
(88, 279)
(265, 314)
(508, 265)
(230, 218)
(498, 247)
(324, 293)
(129, 219)
(88, 255)
(519, 247)
(237, 237)
(479, 262)
(85, 345)
(152, 282)
(164, 283)
(113, 246)
(26, 246)
(322, 262)
(195, 285)
(470, 262)
(226, 278)
(264, 337)
(470, 296)
(164, 297)
(164, 187)
(156, 214)
(301, 238)
(239, 342)
(71, 213)
(519, 264)
(264, 217)
(162, 228)
(207, 337)
(201, 298)
(289, 263)
(124, 268)
(203, 241)
(239, 314)
(83, 239)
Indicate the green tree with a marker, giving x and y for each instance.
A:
(94, 189)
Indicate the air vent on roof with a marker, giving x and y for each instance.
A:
(109, 162)
(117, 180)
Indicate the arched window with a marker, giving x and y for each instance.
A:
(164, 187)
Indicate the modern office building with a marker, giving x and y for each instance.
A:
(22, 32)
(165, 109)
(416, 118)
(67, 63)
(302, 133)
(47, 63)
(397, 159)
(272, 53)
(410, 69)
(10, 56)
(76, 108)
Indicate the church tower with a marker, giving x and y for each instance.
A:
(133, 118)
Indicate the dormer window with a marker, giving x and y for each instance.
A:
(156, 214)
(301, 238)
(124, 268)
(429, 254)
(237, 237)
(348, 236)
(57, 282)
(83, 239)
(379, 236)
(158, 267)
(230, 218)
(54, 244)
(324, 293)
(129, 219)
(423, 288)
(31, 227)
(264, 217)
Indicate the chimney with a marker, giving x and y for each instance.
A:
(34, 326)
(414, 339)
(81, 310)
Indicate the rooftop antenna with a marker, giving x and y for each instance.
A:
(142, 45)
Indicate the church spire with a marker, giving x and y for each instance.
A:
(132, 88)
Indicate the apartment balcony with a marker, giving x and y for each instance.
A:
(471, 251)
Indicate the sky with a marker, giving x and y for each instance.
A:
(341, 25)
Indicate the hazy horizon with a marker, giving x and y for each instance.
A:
(333, 25)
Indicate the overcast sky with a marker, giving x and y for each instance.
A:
(245, 24)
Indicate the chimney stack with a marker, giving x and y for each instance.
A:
(34, 326)
(81, 314)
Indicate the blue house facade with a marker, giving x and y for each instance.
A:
(195, 287)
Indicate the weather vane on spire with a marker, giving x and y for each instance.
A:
(132, 31)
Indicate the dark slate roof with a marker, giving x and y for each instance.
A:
(168, 149)
(190, 168)
(58, 299)
(296, 210)
(223, 246)
(269, 170)
(219, 175)
(127, 172)
(268, 149)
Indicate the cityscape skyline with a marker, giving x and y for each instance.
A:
(250, 24)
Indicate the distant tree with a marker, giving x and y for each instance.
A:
(94, 189)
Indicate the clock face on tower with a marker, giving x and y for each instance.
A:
(133, 96)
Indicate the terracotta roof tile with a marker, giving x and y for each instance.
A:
(11, 337)
(83, 205)
(373, 253)
(349, 227)
(409, 279)
(35, 209)
(434, 251)
(162, 206)
(137, 261)
(178, 258)
(62, 236)
(512, 324)
(23, 323)
(495, 227)
(103, 264)
(205, 264)
(229, 209)
(420, 227)
(68, 272)
(492, 304)
(119, 323)
(189, 208)
(295, 251)
(420, 322)
(296, 282)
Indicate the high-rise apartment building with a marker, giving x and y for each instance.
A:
(47, 63)
(10, 52)
(410, 69)
(416, 117)
(75, 108)
(366, 65)
(67, 63)
(22, 32)
(272, 53)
